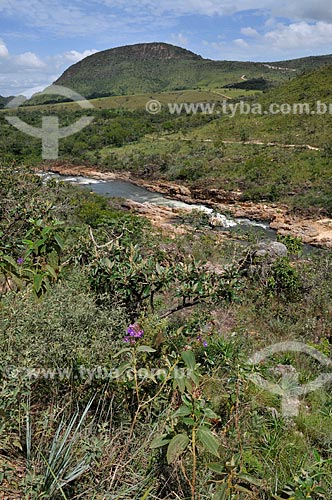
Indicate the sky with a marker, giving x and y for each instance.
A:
(40, 39)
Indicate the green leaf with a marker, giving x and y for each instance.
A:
(180, 383)
(159, 442)
(209, 413)
(237, 487)
(216, 467)
(177, 446)
(122, 369)
(59, 241)
(147, 493)
(186, 400)
(9, 259)
(318, 489)
(158, 268)
(17, 444)
(221, 493)
(250, 479)
(208, 440)
(188, 421)
(145, 348)
(51, 270)
(188, 385)
(108, 263)
(183, 411)
(37, 282)
(53, 259)
(194, 377)
(28, 242)
(125, 349)
(189, 359)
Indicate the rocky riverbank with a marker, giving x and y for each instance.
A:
(311, 231)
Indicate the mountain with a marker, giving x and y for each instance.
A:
(5, 100)
(159, 67)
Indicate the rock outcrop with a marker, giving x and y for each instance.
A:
(311, 231)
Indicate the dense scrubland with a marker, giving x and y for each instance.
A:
(97, 302)
(125, 367)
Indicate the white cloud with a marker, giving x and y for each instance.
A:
(74, 56)
(82, 18)
(249, 32)
(29, 60)
(241, 43)
(113, 17)
(278, 41)
(26, 73)
(3, 49)
(33, 90)
(294, 9)
(120, 22)
(317, 10)
(300, 36)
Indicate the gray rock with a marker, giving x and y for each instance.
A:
(263, 255)
(271, 250)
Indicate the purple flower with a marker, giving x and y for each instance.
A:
(203, 342)
(134, 332)
(20, 261)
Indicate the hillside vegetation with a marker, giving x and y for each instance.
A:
(125, 357)
(203, 149)
(158, 67)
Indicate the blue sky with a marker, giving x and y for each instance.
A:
(40, 39)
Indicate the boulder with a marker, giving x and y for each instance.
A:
(262, 256)
(270, 251)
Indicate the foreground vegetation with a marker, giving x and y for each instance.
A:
(124, 368)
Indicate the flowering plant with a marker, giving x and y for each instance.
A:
(133, 332)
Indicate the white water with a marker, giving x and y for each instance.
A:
(128, 190)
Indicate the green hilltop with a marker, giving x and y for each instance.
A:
(159, 67)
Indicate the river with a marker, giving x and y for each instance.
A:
(128, 190)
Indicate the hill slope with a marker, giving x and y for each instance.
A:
(312, 125)
(304, 63)
(157, 67)
(5, 100)
(309, 87)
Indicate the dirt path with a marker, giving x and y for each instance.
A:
(222, 95)
(230, 141)
(260, 143)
